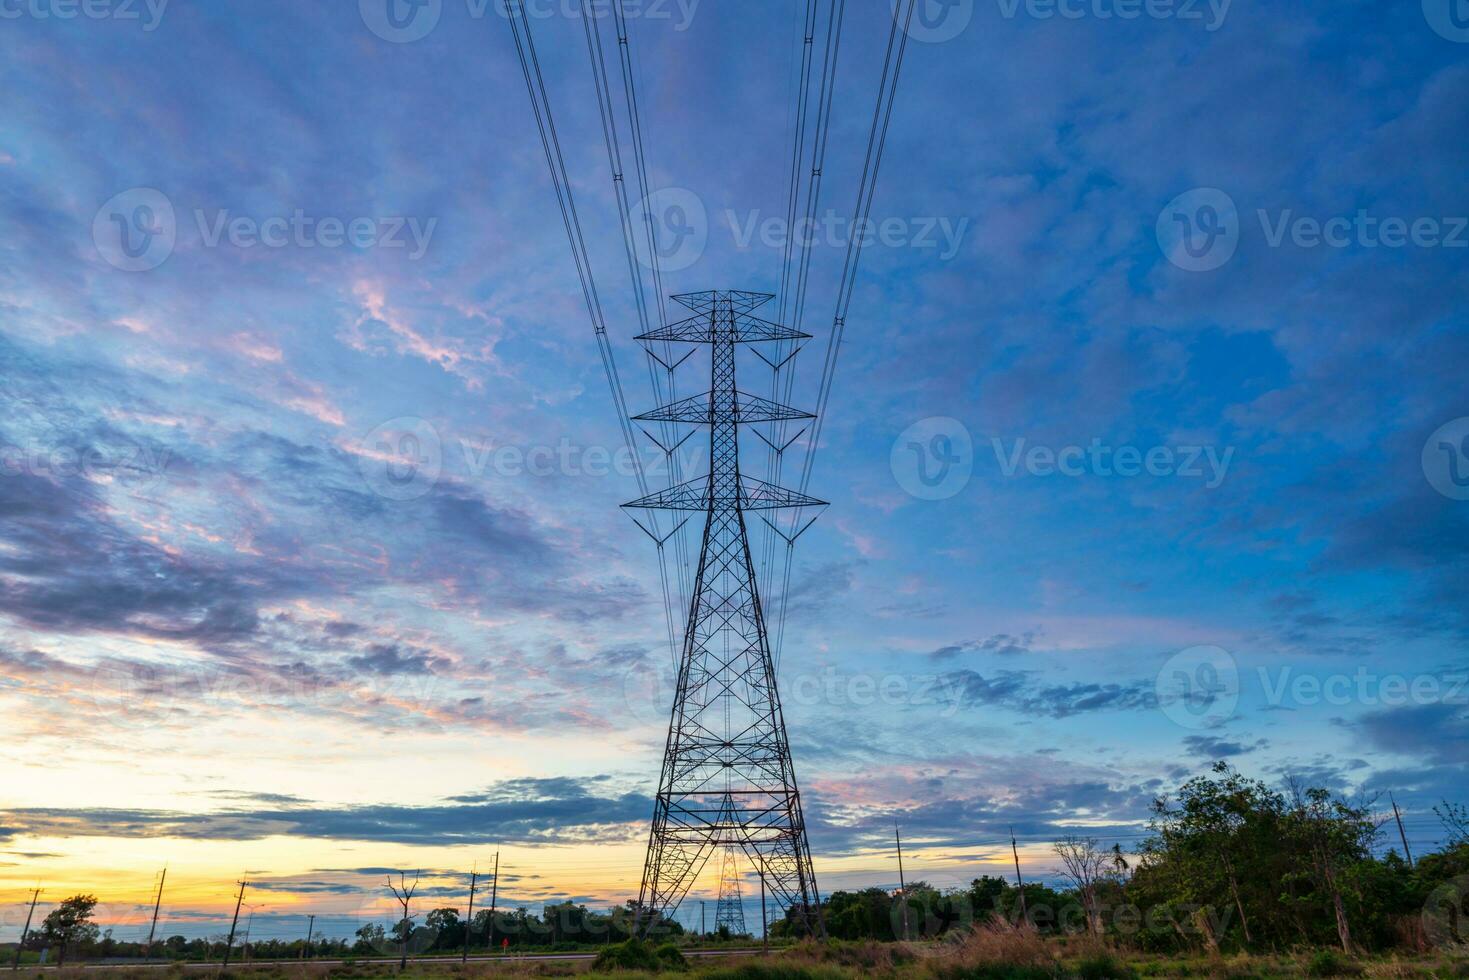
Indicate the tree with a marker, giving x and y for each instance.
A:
(403, 892)
(70, 922)
(1334, 835)
(1085, 865)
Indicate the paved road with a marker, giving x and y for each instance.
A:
(512, 959)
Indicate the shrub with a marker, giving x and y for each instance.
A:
(1330, 963)
(634, 954)
(1103, 966)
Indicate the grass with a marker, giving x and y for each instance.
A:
(996, 951)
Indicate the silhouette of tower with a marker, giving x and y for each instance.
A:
(727, 778)
(730, 912)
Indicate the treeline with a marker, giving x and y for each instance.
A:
(1229, 864)
(68, 932)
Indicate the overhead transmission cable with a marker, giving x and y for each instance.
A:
(882, 115)
(608, 115)
(546, 126)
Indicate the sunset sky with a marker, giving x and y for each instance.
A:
(237, 637)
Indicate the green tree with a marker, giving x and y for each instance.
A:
(68, 923)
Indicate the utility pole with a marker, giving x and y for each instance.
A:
(310, 928)
(249, 921)
(1401, 833)
(1019, 884)
(230, 942)
(701, 918)
(157, 903)
(469, 919)
(902, 882)
(35, 894)
(494, 893)
(764, 920)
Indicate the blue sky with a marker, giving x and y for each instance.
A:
(342, 671)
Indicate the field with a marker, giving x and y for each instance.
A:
(992, 953)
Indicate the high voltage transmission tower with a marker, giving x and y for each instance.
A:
(727, 779)
(730, 912)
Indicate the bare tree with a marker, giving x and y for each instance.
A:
(1084, 864)
(403, 892)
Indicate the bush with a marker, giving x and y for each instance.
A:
(669, 957)
(1330, 963)
(1103, 966)
(634, 954)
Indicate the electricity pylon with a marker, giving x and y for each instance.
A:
(727, 778)
(730, 912)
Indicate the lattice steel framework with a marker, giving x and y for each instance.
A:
(727, 778)
(730, 912)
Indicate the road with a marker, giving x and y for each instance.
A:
(512, 959)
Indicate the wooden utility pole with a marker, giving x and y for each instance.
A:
(157, 903)
(230, 942)
(35, 894)
(902, 882)
(494, 894)
(1401, 833)
(310, 928)
(1019, 884)
(469, 919)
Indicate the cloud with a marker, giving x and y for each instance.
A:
(1214, 747)
(1000, 644)
(524, 811)
(1019, 691)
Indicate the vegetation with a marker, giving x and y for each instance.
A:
(1234, 879)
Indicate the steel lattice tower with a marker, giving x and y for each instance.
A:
(727, 778)
(730, 912)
